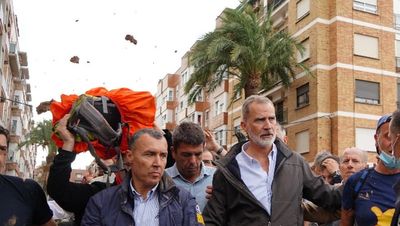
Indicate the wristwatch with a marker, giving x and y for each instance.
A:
(336, 177)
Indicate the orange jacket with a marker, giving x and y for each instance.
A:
(136, 108)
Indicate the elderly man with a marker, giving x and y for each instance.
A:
(262, 182)
(189, 172)
(23, 202)
(352, 161)
(148, 196)
(368, 196)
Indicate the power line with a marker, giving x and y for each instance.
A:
(3, 99)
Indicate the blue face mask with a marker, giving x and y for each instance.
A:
(389, 160)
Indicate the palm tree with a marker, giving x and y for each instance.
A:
(40, 136)
(246, 48)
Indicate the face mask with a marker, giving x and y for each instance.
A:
(389, 160)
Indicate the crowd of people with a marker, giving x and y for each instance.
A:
(259, 181)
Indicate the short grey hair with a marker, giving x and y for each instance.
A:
(253, 99)
(353, 150)
(151, 132)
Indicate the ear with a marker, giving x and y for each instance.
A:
(129, 156)
(243, 125)
(173, 153)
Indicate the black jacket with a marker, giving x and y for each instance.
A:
(232, 203)
(72, 197)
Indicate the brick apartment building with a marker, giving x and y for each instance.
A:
(352, 48)
(15, 93)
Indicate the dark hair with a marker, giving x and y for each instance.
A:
(188, 133)
(6, 133)
(151, 132)
(395, 122)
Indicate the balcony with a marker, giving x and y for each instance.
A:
(219, 120)
(16, 111)
(396, 21)
(28, 88)
(15, 138)
(24, 72)
(14, 60)
(23, 59)
(273, 4)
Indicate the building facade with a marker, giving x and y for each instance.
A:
(352, 48)
(15, 94)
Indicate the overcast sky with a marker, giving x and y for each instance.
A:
(52, 31)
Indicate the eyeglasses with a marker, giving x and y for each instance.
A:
(209, 162)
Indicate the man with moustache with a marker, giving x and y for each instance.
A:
(148, 196)
(368, 196)
(261, 181)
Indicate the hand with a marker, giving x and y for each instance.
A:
(211, 143)
(66, 136)
(209, 191)
(331, 165)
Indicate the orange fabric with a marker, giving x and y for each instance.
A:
(136, 108)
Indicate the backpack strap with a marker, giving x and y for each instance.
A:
(360, 182)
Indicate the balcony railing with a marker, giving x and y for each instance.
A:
(397, 21)
(274, 4)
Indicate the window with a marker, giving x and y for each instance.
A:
(306, 53)
(14, 126)
(16, 100)
(216, 106)
(303, 8)
(365, 139)
(366, 5)
(303, 141)
(398, 95)
(302, 95)
(279, 112)
(170, 95)
(220, 108)
(219, 137)
(360, 44)
(367, 92)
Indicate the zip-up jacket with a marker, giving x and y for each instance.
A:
(114, 206)
(232, 203)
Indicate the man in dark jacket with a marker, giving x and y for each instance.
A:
(262, 182)
(72, 197)
(147, 197)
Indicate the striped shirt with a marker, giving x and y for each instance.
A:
(145, 211)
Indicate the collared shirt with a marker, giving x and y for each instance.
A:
(254, 176)
(198, 188)
(145, 211)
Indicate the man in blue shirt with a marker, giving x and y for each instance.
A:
(189, 172)
(371, 200)
(147, 196)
